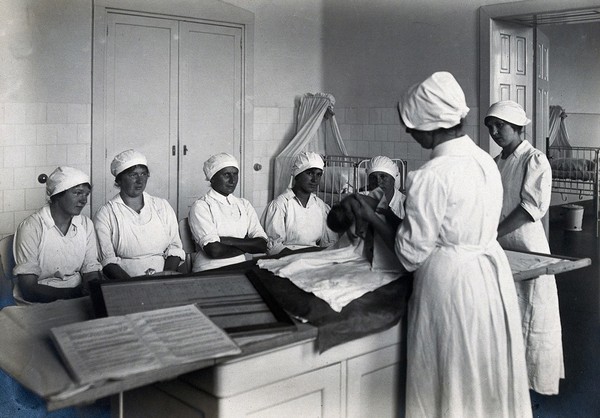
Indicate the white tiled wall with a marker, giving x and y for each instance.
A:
(366, 132)
(35, 138)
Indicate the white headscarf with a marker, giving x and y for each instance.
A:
(63, 178)
(218, 162)
(306, 160)
(384, 164)
(125, 160)
(437, 102)
(509, 111)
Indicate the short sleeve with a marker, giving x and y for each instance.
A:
(202, 225)
(274, 226)
(26, 247)
(536, 190)
(104, 224)
(90, 260)
(425, 208)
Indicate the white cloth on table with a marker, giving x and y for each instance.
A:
(214, 216)
(464, 344)
(40, 248)
(138, 241)
(289, 224)
(527, 179)
(336, 275)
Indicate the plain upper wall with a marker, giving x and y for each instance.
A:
(575, 79)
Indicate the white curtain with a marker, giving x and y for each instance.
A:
(558, 133)
(317, 131)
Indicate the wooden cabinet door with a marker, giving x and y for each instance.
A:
(173, 90)
(141, 98)
(210, 94)
(376, 384)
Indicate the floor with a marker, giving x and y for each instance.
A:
(579, 296)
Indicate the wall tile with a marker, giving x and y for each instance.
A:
(66, 134)
(368, 133)
(387, 149)
(272, 115)
(14, 113)
(374, 149)
(260, 115)
(8, 134)
(84, 133)
(35, 199)
(56, 154)
(27, 176)
(340, 115)
(78, 113)
(14, 200)
(355, 115)
(401, 150)
(14, 156)
(78, 155)
(390, 116)
(381, 133)
(7, 223)
(25, 134)
(394, 132)
(287, 115)
(35, 155)
(46, 134)
(57, 113)
(6, 178)
(375, 116)
(35, 112)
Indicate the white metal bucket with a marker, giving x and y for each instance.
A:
(573, 217)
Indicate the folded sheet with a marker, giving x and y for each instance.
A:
(336, 275)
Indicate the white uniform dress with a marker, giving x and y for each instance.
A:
(58, 260)
(465, 349)
(138, 241)
(527, 179)
(214, 216)
(289, 224)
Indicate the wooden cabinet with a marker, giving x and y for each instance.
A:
(361, 378)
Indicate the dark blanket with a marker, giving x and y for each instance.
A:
(371, 313)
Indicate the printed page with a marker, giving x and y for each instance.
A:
(118, 347)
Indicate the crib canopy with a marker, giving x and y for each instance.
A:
(558, 135)
(317, 131)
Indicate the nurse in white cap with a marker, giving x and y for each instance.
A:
(383, 172)
(138, 234)
(55, 248)
(224, 227)
(465, 354)
(297, 218)
(527, 180)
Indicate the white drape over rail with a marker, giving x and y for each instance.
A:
(558, 133)
(316, 111)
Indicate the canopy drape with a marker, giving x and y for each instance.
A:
(558, 136)
(317, 131)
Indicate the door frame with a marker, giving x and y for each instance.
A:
(487, 14)
(202, 11)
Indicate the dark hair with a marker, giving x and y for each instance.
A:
(338, 219)
(517, 128)
(54, 198)
(127, 171)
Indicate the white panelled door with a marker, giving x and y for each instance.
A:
(511, 68)
(174, 92)
(210, 96)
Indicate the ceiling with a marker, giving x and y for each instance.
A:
(556, 18)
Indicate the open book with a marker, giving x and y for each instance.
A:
(121, 346)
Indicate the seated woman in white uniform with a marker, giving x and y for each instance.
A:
(55, 248)
(224, 227)
(137, 233)
(384, 173)
(296, 218)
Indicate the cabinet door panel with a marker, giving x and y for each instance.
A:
(209, 103)
(141, 97)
